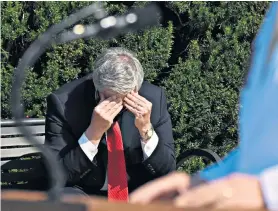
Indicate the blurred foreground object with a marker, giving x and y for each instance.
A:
(18, 200)
(258, 144)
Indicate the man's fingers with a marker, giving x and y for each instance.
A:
(134, 105)
(133, 101)
(209, 194)
(113, 106)
(105, 102)
(152, 191)
(117, 102)
(116, 110)
(110, 103)
(136, 112)
(137, 96)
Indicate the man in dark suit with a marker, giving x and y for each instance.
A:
(80, 114)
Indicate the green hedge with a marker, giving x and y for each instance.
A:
(199, 53)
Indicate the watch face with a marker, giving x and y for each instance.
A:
(150, 133)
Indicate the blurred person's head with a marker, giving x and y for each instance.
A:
(117, 71)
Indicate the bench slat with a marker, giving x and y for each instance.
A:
(17, 187)
(22, 164)
(19, 141)
(17, 176)
(36, 185)
(17, 152)
(4, 161)
(37, 129)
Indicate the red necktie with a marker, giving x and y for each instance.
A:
(117, 177)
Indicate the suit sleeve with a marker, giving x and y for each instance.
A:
(162, 160)
(61, 140)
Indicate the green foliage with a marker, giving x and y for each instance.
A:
(204, 84)
(192, 165)
(199, 54)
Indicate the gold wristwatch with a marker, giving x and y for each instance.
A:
(148, 134)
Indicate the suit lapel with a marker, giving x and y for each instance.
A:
(103, 151)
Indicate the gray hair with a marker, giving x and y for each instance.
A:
(119, 70)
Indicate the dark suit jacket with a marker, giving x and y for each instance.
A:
(69, 111)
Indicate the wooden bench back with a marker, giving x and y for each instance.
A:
(13, 144)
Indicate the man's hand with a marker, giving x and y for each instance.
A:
(237, 191)
(102, 117)
(164, 188)
(142, 109)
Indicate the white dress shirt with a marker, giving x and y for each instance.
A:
(269, 184)
(91, 150)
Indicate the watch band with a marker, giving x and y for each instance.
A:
(148, 134)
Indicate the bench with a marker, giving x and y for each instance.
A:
(21, 161)
(13, 145)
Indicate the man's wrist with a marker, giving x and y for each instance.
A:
(92, 136)
(144, 132)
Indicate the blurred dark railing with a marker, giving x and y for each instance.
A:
(27, 122)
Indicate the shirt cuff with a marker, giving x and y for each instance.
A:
(149, 146)
(269, 185)
(88, 147)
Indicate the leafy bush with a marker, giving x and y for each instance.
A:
(203, 85)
